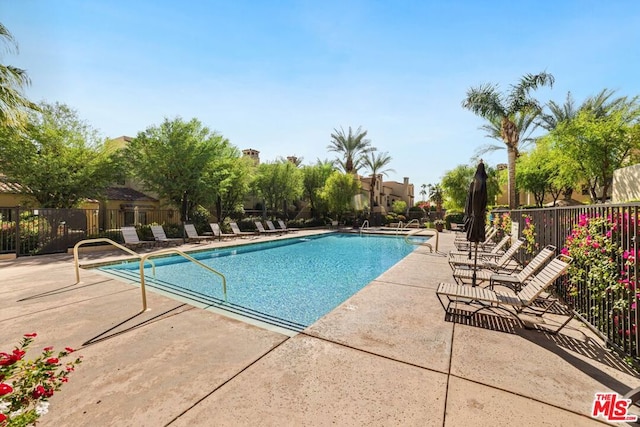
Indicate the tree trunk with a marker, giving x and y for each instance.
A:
(511, 166)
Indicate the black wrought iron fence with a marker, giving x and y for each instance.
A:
(44, 231)
(602, 285)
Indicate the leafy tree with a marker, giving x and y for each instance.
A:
(14, 106)
(423, 191)
(278, 183)
(339, 192)
(176, 159)
(352, 146)
(229, 181)
(487, 102)
(534, 174)
(399, 206)
(58, 158)
(375, 164)
(314, 178)
(600, 144)
(455, 184)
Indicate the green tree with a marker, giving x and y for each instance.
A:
(14, 106)
(352, 146)
(176, 160)
(399, 207)
(375, 164)
(487, 102)
(600, 144)
(229, 181)
(455, 184)
(278, 183)
(313, 181)
(339, 192)
(58, 158)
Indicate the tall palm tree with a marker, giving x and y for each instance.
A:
(436, 195)
(423, 191)
(375, 164)
(353, 146)
(13, 80)
(487, 102)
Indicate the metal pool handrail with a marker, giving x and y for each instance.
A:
(365, 224)
(102, 239)
(117, 245)
(184, 255)
(406, 239)
(401, 226)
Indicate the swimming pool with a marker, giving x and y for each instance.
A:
(290, 283)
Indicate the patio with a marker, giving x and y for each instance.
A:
(386, 356)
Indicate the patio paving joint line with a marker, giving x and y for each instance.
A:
(197, 402)
(371, 353)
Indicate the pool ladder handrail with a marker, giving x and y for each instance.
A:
(406, 239)
(117, 245)
(143, 260)
(365, 224)
(97, 240)
(184, 255)
(402, 226)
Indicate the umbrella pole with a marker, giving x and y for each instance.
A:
(475, 266)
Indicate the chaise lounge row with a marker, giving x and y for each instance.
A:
(131, 239)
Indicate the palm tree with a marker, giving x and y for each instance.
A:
(488, 103)
(13, 80)
(423, 191)
(375, 164)
(354, 147)
(436, 195)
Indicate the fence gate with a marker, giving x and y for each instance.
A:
(43, 231)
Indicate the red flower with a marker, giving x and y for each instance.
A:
(69, 349)
(3, 417)
(52, 361)
(32, 335)
(7, 359)
(48, 348)
(5, 389)
(38, 392)
(48, 392)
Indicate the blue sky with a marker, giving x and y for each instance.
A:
(278, 76)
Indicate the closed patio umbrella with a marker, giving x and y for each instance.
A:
(475, 213)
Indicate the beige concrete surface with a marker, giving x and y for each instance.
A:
(388, 356)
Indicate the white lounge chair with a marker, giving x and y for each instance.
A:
(285, 228)
(272, 227)
(192, 234)
(215, 227)
(131, 239)
(491, 264)
(494, 253)
(516, 281)
(513, 304)
(236, 230)
(263, 230)
(488, 242)
(161, 237)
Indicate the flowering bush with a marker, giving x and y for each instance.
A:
(26, 385)
(502, 222)
(529, 233)
(595, 255)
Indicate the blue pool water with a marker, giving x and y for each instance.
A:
(290, 282)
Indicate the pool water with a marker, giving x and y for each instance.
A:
(289, 282)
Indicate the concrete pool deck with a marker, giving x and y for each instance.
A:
(385, 357)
